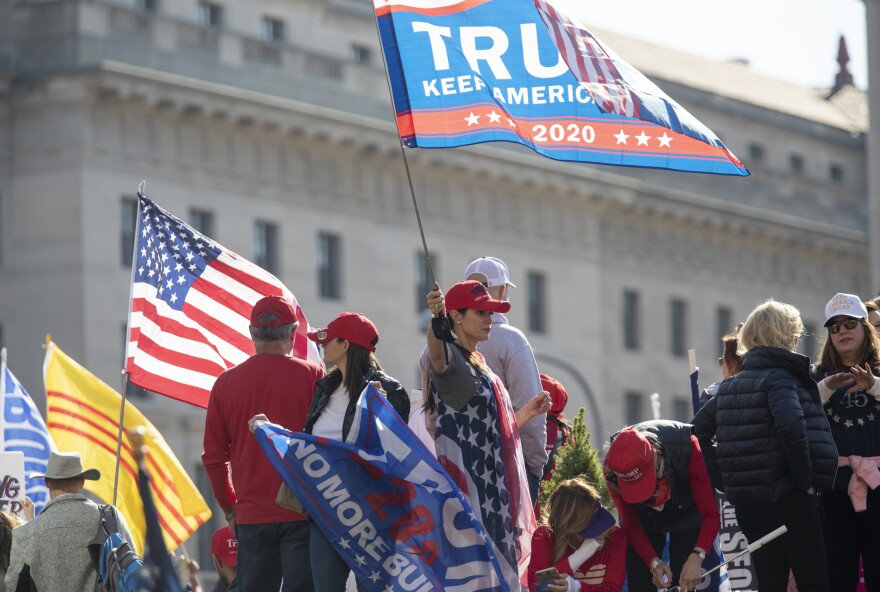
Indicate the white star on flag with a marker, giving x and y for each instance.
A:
(494, 117)
(472, 119)
(361, 560)
(621, 137)
(643, 139)
(665, 140)
(375, 576)
(344, 544)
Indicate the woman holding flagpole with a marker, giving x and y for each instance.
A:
(847, 371)
(476, 436)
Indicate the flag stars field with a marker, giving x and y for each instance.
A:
(642, 139)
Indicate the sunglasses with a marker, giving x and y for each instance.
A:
(848, 324)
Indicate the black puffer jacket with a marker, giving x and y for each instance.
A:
(326, 386)
(765, 432)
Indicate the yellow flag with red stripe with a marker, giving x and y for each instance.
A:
(83, 416)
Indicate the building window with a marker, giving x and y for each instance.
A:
(329, 266)
(266, 246)
(631, 319)
(423, 279)
(210, 14)
(147, 5)
(807, 343)
(537, 302)
(678, 326)
(360, 54)
(203, 221)
(128, 225)
(797, 164)
(723, 325)
(836, 173)
(634, 411)
(272, 29)
(756, 153)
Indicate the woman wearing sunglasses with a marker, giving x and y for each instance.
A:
(846, 374)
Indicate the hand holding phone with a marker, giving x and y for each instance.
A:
(546, 577)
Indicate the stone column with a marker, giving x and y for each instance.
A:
(872, 17)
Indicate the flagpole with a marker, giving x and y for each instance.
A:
(412, 191)
(137, 227)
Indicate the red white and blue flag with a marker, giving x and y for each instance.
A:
(388, 507)
(469, 71)
(191, 301)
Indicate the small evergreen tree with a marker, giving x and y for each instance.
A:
(577, 458)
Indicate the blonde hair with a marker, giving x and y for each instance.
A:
(570, 510)
(771, 324)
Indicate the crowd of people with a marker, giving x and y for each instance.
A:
(790, 443)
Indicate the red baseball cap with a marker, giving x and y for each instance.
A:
(473, 294)
(224, 546)
(631, 457)
(351, 326)
(558, 395)
(276, 305)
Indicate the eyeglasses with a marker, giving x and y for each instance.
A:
(848, 324)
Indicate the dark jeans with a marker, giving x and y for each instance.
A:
(268, 553)
(681, 543)
(849, 534)
(328, 568)
(801, 549)
(534, 486)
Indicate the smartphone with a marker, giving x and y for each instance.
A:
(545, 577)
(551, 573)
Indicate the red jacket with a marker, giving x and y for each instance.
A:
(605, 571)
(280, 387)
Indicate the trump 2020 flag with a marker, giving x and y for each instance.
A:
(469, 71)
(191, 300)
(385, 503)
(24, 430)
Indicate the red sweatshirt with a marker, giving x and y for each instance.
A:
(704, 498)
(605, 571)
(280, 387)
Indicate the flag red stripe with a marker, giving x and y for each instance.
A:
(167, 324)
(127, 462)
(219, 328)
(170, 388)
(196, 364)
(256, 284)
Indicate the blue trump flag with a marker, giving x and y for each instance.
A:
(385, 503)
(24, 430)
(469, 71)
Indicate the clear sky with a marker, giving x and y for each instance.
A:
(793, 41)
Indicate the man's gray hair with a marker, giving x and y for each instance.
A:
(279, 333)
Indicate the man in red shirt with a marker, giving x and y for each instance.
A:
(273, 542)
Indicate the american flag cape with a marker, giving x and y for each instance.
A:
(469, 71)
(390, 510)
(24, 430)
(191, 300)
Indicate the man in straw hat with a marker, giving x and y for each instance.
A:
(52, 549)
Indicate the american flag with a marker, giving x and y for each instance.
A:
(191, 300)
(617, 87)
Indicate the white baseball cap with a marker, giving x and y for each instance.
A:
(492, 268)
(845, 305)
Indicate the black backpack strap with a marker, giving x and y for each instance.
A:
(107, 523)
